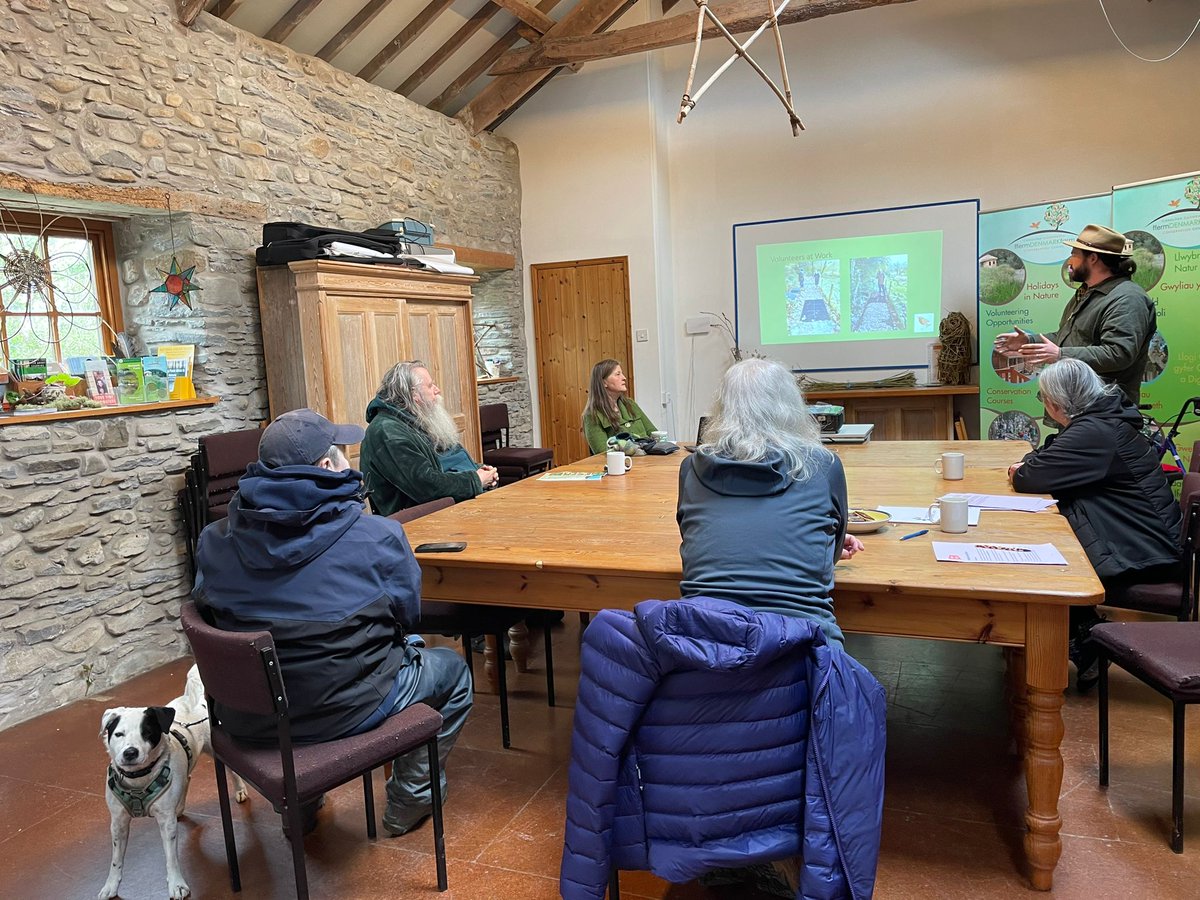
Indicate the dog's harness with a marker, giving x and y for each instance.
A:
(137, 801)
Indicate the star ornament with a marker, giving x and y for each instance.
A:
(177, 285)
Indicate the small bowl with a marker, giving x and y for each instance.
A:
(864, 521)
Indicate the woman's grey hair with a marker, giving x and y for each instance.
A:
(1072, 385)
(600, 404)
(400, 384)
(760, 411)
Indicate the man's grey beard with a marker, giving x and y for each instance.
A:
(435, 420)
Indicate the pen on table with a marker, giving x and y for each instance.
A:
(915, 534)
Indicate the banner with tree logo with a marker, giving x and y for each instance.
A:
(1023, 284)
(1162, 218)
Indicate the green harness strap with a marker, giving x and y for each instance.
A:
(137, 801)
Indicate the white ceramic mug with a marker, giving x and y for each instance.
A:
(950, 511)
(617, 463)
(950, 466)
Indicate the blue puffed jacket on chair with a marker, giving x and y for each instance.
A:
(708, 735)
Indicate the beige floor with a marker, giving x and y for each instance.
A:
(952, 826)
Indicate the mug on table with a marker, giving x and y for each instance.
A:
(950, 511)
(951, 466)
(617, 463)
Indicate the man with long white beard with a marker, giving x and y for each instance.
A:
(411, 454)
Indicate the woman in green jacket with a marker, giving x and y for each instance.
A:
(609, 411)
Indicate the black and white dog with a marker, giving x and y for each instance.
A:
(153, 751)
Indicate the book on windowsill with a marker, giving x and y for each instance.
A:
(572, 476)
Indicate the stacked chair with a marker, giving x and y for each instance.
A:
(512, 463)
(471, 619)
(211, 481)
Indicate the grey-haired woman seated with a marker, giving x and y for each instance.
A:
(762, 504)
(1109, 483)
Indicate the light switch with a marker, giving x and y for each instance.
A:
(641, 335)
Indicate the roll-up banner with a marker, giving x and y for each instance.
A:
(1162, 218)
(1023, 283)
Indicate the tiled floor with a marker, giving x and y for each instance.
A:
(952, 826)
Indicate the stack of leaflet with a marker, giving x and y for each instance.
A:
(849, 434)
(439, 259)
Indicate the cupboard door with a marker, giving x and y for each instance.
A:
(363, 337)
(440, 335)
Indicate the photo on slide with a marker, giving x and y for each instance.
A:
(1150, 258)
(879, 293)
(1001, 277)
(812, 289)
(1014, 425)
(1156, 361)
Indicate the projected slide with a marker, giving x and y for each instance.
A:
(850, 289)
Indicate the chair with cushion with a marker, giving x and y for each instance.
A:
(1170, 598)
(472, 619)
(1166, 656)
(241, 671)
(221, 463)
(512, 463)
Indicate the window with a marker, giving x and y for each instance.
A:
(59, 294)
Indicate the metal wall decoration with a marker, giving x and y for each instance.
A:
(178, 283)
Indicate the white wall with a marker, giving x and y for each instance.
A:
(1011, 101)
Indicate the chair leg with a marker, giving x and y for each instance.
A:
(466, 642)
(502, 674)
(296, 827)
(235, 875)
(1177, 776)
(369, 803)
(549, 654)
(435, 790)
(1103, 708)
(614, 884)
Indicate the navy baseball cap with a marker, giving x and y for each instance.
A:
(301, 437)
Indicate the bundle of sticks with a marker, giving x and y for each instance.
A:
(812, 386)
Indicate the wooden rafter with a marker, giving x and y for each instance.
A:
(352, 29)
(189, 10)
(668, 5)
(477, 68)
(739, 16)
(226, 8)
(289, 20)
(504, 93)
(407, 35)
(448, 49)
(531, 16)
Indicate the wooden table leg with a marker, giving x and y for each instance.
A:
(1046, 678)
(489, 663)
(518, 645)
(1018, 702)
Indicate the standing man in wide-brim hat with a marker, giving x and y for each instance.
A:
(1109, 322)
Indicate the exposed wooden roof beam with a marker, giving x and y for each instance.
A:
(352, 29)
(527, 14)
(477, 68)
(738, 16)
(504, 93)
(289, 20)
(189, 10)
(667, 5)
(226, 8)
(407, 35)
(444, 52)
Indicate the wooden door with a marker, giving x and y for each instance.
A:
(581, 316)
(363, 337)
(439, 333)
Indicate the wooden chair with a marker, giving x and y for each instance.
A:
(221, 462)
(1170, 598)
(1166, 656)
(512, 463)
(241, 671)
(472, 619)
(1194, 463)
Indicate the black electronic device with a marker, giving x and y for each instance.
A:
(441, 547)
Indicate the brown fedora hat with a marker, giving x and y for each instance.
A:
(1098, 239)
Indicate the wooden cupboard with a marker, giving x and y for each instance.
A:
(900, 414)
(332, 329)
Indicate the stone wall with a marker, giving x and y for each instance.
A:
(116, 93)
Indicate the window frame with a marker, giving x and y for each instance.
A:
(99, 234)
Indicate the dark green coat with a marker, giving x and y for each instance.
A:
(399, 465)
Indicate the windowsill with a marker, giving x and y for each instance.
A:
(132, 409)
(505, 379)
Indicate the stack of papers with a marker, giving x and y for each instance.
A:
(919, 515)
(571, 476)
(1009, 502)
(1019, 554)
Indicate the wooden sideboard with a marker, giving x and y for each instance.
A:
(900, 414)
(332, 329)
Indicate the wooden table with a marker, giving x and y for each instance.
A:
(612, 543)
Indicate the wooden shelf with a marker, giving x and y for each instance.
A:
(131, 410)
(932, 390)
(482, 260)
(507, 379)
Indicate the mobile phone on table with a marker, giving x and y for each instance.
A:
(441, 547)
